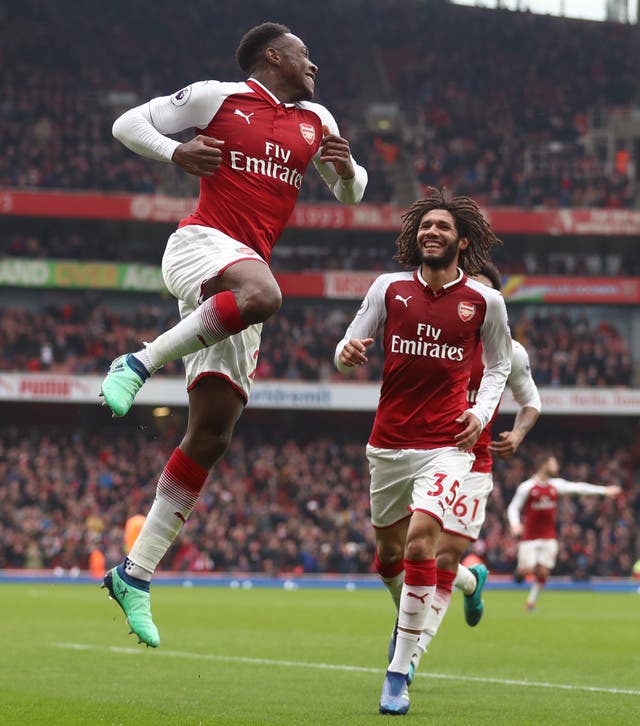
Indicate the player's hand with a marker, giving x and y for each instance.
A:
(467, 438)
(613, 490)
(335, 150)
(200, 156)
(516, 529)
(354, 352)
(507, 445)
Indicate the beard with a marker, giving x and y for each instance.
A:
(445, 259)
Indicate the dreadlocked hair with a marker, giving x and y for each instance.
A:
(469, 221)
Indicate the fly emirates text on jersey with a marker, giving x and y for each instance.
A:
(274, 165)
(428, 348)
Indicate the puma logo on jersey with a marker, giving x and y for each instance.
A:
(404, 300)
(246, 117)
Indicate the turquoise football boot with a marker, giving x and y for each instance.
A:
(124, 379)
(135, 603)
(473, 605)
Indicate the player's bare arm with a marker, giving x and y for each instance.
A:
(200, 156)
(467, 438)
(515, 507)
(613, 490)
(354, 352)
(509, 441)
(335, 150)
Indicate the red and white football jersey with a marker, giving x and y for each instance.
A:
(537, 502)
(430, 340)
(268, 145)
(524, 391)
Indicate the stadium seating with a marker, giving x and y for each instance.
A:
(81, 332)
(477, 127)
(503, 116)
(287, 507)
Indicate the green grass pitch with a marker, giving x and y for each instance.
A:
(269, 656)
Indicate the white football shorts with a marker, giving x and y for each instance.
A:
(532, 552)
(466, 516)
(193, 255)
(410, 480)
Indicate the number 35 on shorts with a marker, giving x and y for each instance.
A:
(439, 494)
(442, 484)
(461, 507)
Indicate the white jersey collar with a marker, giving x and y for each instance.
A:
(446, 285)
(266, 90)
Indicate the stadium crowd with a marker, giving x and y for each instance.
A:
(572, 351)
(61, 93)
(77, 334)
(82, 332)
(296, 506)
(509, 127)
(476, 126)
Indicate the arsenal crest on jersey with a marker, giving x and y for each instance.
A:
(466, 311)
(308, 133)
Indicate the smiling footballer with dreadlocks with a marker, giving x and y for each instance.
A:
(469, 221)
(431, 320)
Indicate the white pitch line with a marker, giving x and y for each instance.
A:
(358, 669)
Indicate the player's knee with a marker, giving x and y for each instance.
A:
(259, 301)
(217, 443)
(448, 559)
(418, 549)
(208, 445)
(541, 573)
(389, 553)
